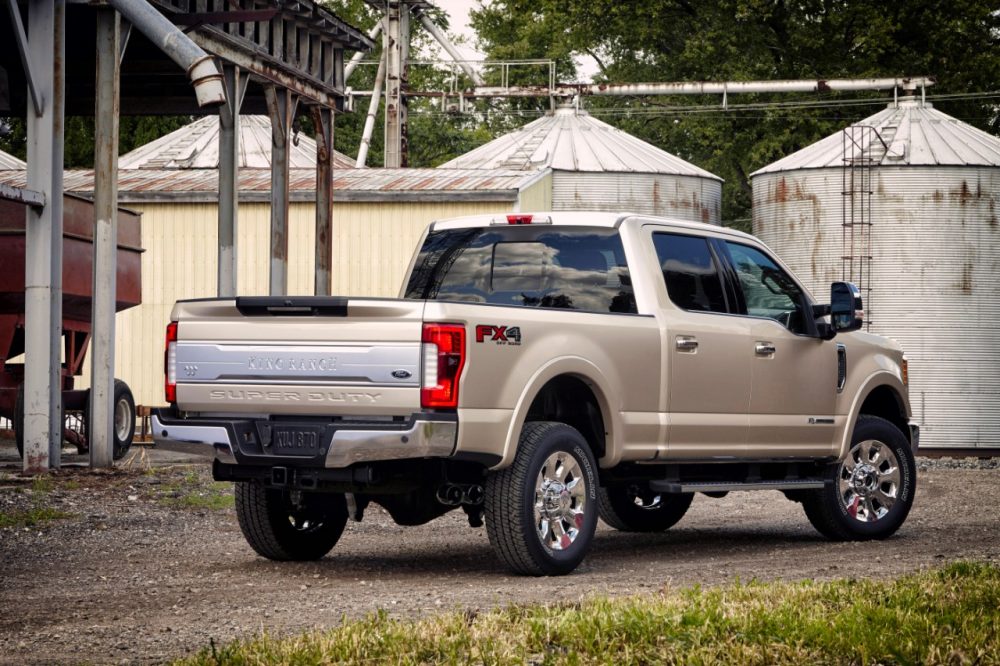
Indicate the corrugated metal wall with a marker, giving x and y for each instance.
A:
(684, 197)
(936, 261)
(372, 246)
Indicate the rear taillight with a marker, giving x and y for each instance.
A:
(443, 360)
(170, 363)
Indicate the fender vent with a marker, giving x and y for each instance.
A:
(841, 367)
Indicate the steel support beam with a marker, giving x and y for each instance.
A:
(281, 105)
(229, 177)
(323, 121)
(446, 44)
(396, 45)
(43, 239)
(100, 421)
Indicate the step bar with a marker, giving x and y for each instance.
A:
(673, 486)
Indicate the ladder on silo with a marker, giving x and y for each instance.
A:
(863, 149)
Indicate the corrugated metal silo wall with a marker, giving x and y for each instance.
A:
(372, 246)
(936, 263)
(684, 197)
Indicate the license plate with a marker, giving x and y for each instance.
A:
(296, 441)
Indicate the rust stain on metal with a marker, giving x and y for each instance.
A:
(962, 193)
(992, 222)
(937, 196)
(705, 216)
(966, 284)
(656, 194)
(781, 191)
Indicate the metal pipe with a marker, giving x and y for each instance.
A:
(229, 149)
(445, 43)
(698, 88)
(200, 66)
(366, 135)
(359, 55)
(323, 122)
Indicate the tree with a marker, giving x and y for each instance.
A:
(683, 40)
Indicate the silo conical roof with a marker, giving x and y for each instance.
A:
(10, 163)
(196, 146)
(913, 133)
(570, 139)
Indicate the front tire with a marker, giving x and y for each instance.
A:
(541, 512)
(280, 529)
(868, 494)
(634, 509)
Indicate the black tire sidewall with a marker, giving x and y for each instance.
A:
(122, 391)
(566, 439)
(888, 434)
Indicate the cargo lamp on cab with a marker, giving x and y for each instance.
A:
(518, 218)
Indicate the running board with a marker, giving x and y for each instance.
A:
(669, 486)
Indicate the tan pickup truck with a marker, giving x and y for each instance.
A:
(538, 372)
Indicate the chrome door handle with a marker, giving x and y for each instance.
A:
(765, 348)
(687, 343)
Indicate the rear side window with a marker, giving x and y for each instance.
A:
(529, 266)
(690, 272)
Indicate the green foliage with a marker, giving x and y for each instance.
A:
(945, 616)
(680, 40)
(133, 131)
(31, 517)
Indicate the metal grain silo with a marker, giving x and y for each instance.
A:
(906, 204)
(598, 167)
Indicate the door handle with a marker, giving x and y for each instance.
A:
(765, 348)
(687, 343)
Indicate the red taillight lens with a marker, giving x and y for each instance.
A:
(444, 358)
(519, 219)
(170, 363)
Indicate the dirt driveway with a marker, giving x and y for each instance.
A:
(147, 566)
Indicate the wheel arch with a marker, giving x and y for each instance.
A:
(882, 395)
(573, 391)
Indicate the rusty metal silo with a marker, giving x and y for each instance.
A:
(906, 203)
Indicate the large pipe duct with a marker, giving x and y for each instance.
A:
(443, 40)
(200, 67)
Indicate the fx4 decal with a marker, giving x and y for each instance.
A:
(502, 335)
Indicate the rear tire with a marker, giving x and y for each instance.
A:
(870, 492)
(633, 509)
(541, 512)
(280, 530)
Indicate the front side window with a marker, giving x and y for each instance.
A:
(531, 266)
(768, 290)
(690, 272)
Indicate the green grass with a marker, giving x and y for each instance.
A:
(191, 493)
(31, 517)
(946, 616)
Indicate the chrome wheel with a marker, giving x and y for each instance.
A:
(123, 420)
(560, 501)
(869, 481)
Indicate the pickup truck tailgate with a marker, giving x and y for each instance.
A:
(298, 356)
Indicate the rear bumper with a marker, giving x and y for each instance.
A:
(234, 441)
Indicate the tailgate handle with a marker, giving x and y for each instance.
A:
(292, 306)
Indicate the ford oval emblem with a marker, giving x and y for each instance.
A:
(402, 374)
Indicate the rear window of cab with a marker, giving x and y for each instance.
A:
(573, 268)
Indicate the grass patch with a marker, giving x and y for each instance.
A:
(31, 517)
(191, 492)
(946, 616)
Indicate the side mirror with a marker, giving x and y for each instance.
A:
(846, 309)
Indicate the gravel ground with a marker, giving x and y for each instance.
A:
(147, 568)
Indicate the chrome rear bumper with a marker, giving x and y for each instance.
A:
(214, 438)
